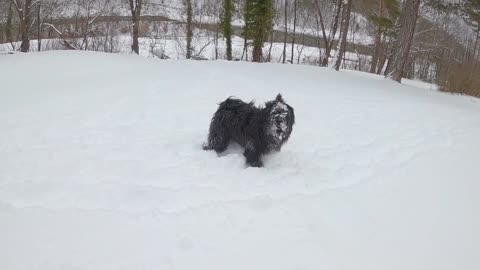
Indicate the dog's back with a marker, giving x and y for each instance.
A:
(235, 104)
(235, 111)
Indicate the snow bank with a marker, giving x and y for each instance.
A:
(101, 167)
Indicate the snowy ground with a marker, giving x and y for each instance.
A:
(101, 167)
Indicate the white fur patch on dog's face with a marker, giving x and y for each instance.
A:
(280, 106)
(278, 122)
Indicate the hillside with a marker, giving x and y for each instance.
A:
(101, 167)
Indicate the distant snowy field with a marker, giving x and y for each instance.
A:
(101, 167)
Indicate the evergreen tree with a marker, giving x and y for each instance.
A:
(226, 22)
(383, 20)
(406, 25)
(258, 15)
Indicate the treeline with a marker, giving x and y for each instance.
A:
(433, 40)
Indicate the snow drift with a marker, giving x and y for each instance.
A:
(101, 167)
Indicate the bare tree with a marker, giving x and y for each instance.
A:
(25, 9)
(136, 10)
(43, 10)
(285, 33)
(189, 28)
(321, 25)
(39, 27)
(93, 10)
(401, 51)
(304, 15)
(294, 27)
(378, 40)
(9, 29)
(342, 44)
(85, 33)
(328, 40)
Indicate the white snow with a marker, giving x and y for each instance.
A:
(101, 167)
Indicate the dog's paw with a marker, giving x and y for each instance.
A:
(205, 146)
(256, 164)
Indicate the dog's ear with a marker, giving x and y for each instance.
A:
(279, 98)
(292, 114)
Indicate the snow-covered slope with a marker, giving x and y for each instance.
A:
(101, 167)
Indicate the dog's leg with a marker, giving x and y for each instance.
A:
(253, 156)
(217, 142)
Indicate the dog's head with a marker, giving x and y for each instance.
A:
(280, 121)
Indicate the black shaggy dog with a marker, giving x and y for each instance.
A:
(258, 130)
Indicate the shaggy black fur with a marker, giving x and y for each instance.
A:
(258, 130)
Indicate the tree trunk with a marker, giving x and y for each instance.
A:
(381, 59)
(257, 54)
(409, 70)
(136, 10)
(227, 26)
(25, 46)
(262, 25)
(8, 26)
(325, 38)
(388, 56)
(401, 51)
(342, 45)
(24, 14)
(258, 43)
(294, 28)
(39, 27)
(136, 28)
(378, 41)
(245, 49)
(269, 57)
(338, 7)
(216, 46)
(285, 34)
(189, 28)
(475, 45)
(376, 52)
